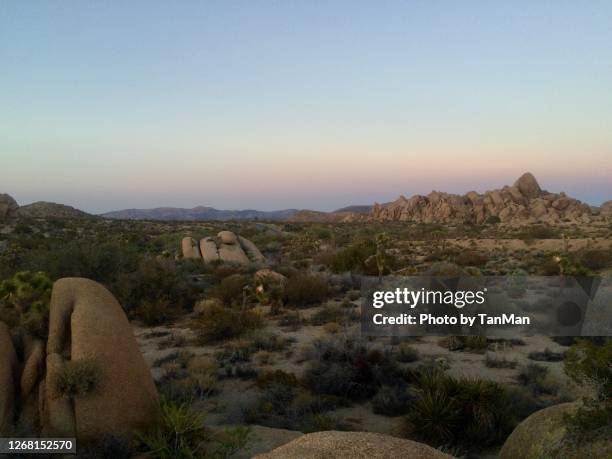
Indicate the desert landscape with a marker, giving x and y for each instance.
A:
(240, 337)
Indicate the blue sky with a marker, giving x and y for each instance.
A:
(310, 104)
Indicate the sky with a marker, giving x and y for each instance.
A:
(107, 105)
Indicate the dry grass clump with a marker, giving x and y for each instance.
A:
(78, 378)
(406, 353)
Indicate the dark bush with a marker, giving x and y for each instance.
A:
(304, 289)
(351, 258)
(467, 412)
(156, 292)
(217, 323)
(347, 368)
(231, 290)
(470, 258)
(391, 401)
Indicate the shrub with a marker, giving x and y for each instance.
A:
(453, 411)
(407, 353)
(179, 435)
(535, 377)
(588, 363)
(493, 360)
(546, 356)
(305, 289)
(218, 322)
(155, 292)
(596, 259)
(391, 401)
(231, 290)
(345, 367)
(24, 301)
(476, 344)
(470, 258)
(77, 378)
(351, 258)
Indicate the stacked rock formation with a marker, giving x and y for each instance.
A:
(523, 202)
(352, 445)
(86, 325)
(227, 247)
(8, 206)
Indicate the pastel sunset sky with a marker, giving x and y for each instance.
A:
(107, 105)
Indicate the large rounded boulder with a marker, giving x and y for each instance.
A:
(87, 326)
(352, 445)
(8, 206)
(543, 433)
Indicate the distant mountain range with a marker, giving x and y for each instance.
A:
(198, 213)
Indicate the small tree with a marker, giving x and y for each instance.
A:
(382, 242)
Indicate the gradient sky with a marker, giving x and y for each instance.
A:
(312, 104)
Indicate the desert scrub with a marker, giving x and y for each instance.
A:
(470, 258)
(467, 412)
(351, 258)
(217, 322)
(24, 301)
(497, 360)
(284, 403)
(78, 378)
(477, 344)
(155, 292)
(303, 289)
(589, 363)
(333, 314)
(180, 433)
(391, 401)
(346, 367)
(536, 378)
(232, 289)
(406, 353)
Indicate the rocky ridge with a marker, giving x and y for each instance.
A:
(523, 202)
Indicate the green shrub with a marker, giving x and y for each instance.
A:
(304, 289)
(155, 292)
(78, 378)
(218, 322)
(468, 412)
(24, 301)
(231, 289)
(351, 258)
(179, 435)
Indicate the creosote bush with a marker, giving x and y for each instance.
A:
(347, 367)
(303, 289)
(217, 322)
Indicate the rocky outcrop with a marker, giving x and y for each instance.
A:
(227, 247)
(8, 206)
(352, 445)
(8, 380)
(542, 435)
(86, 324)
(606, 209)
(523, 202)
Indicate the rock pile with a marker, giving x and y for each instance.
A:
(523, 202)
(227, 247)
(87, 327)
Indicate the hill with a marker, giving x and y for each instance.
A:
(198, 213)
